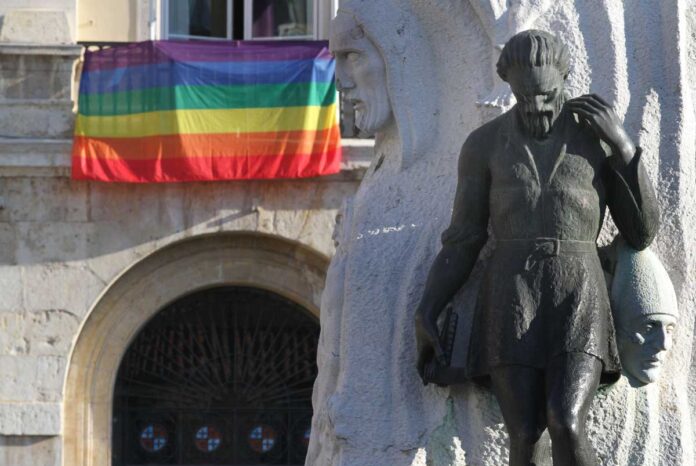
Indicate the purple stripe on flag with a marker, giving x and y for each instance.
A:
(154, 52)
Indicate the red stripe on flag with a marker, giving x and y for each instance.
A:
(207, 168)
(208, 145)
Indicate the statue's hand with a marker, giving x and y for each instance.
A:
(605, 122)
(428, 342)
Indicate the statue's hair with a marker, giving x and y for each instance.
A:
(358, 32)
(533, 48)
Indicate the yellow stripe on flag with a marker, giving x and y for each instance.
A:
(207, 121)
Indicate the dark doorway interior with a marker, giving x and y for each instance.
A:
(220, 377)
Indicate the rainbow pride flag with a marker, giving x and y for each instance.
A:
(161, 111)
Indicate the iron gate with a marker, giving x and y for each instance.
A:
(220, 377)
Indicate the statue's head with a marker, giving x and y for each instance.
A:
(360, 73)
(536, 65)
(644, 306)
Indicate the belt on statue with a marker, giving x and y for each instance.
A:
(540, 248)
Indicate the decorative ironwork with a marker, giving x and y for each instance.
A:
(262, 439)
(208, 439)
(227, 374)
(153, 438)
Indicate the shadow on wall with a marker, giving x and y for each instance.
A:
(644, 87)
(57, 220)
(29, 450)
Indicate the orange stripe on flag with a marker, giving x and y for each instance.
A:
(207, 145)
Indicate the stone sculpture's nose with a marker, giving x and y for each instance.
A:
(663, 341)
(539, 102)
(343, 80)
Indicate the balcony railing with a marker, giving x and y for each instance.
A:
(92, 45)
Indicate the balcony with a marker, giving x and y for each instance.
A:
(30, 149)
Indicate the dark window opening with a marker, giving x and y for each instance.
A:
(219, 377)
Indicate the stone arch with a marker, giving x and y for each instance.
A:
(275, 264)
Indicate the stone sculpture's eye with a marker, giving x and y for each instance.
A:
(352, 56)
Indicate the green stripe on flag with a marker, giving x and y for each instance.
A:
(208, 97)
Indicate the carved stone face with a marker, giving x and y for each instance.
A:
(539, 94)
(360, 74)
(644, 344)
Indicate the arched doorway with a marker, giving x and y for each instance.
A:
(222, 376)
(276, 265)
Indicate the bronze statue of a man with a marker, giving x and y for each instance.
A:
(543, 174)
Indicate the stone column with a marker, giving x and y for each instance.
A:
(37, 62)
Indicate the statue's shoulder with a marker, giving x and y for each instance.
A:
(486, 135)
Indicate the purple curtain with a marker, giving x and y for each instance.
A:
(264, 19)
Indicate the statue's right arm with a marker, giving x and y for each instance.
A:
(463, 239)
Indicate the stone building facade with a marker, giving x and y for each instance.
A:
(85, 265)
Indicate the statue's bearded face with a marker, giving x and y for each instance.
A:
(360, 74)
(643, 344)
(540, 97)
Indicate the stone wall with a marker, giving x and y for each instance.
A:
(21, 450)
(65, 242)
(51, 22)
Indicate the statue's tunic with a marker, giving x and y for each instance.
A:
(543, 291)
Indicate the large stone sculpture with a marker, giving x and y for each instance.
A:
(370, 41)
(370, 406)
(360, 73)
(542, 332)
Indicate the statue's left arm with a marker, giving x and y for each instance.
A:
(630, 194)
(631, 200)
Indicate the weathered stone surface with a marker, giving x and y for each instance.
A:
(214, 207)
(35, 157)
(12, 296)
(37, 119)
(8, 237)
(37, 333)
(44, 242)
(31, 378)
(36, 84)
(37, 76)
(62, 200)
(36, 26)
(73, 288)
(31, 419)
(21, 450)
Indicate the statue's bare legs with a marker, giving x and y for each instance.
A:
(530, 401)
(570, 387)
(520, 394)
